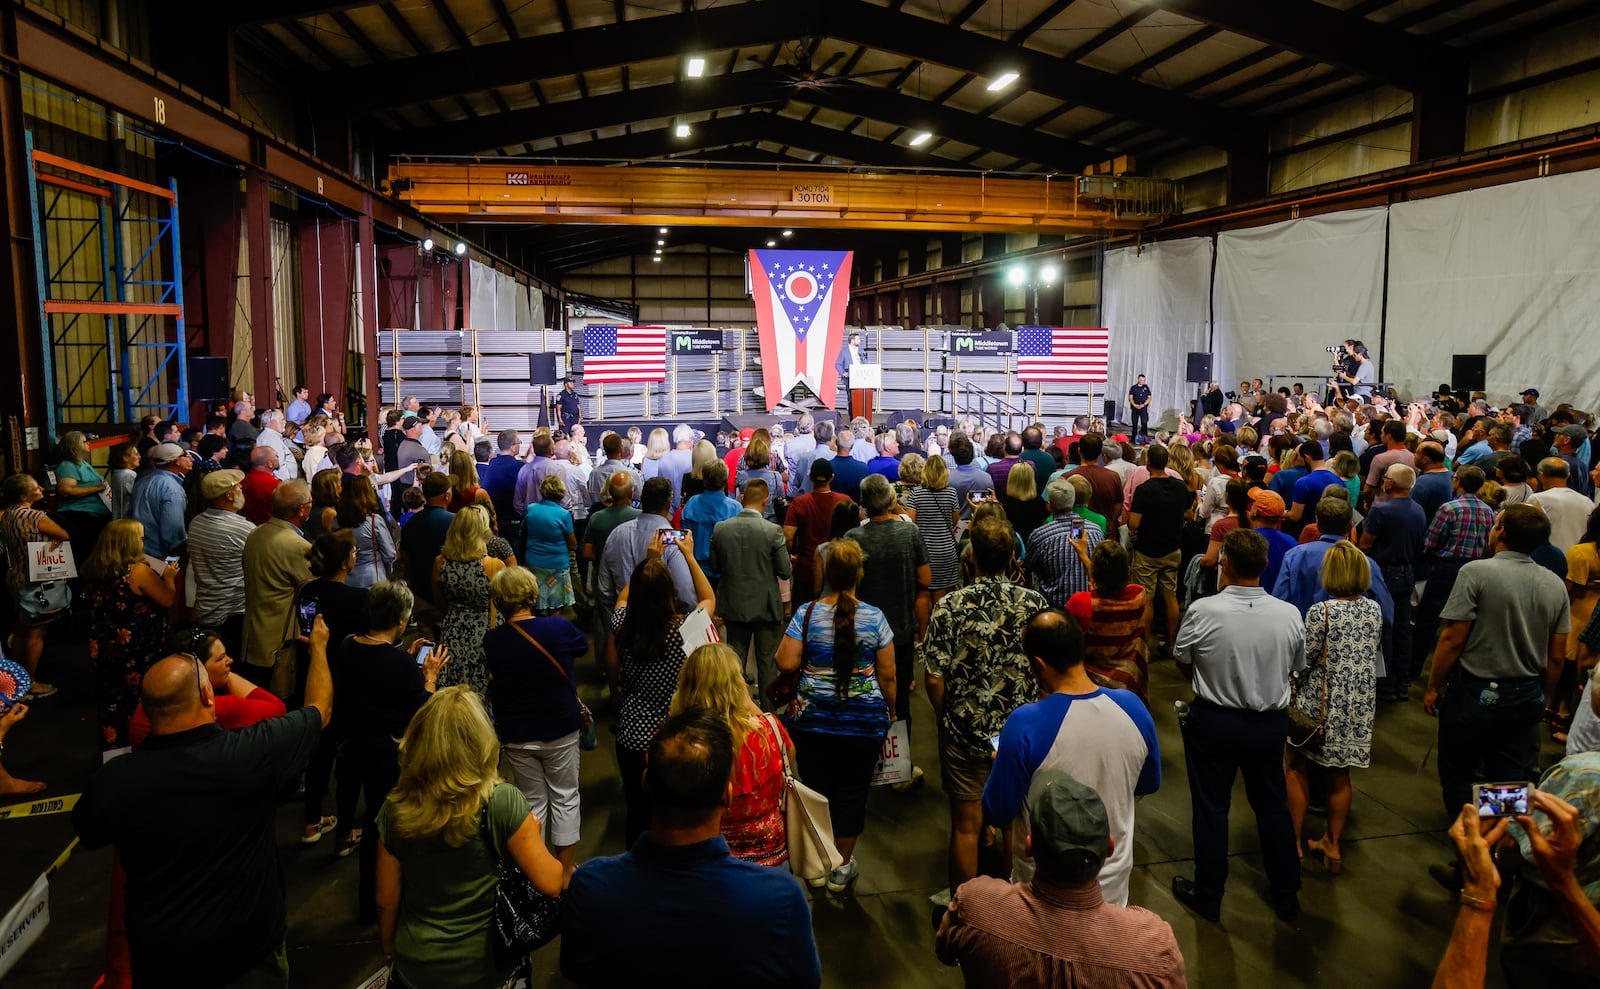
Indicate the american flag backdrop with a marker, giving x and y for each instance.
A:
(1054, 353)
(624, 353)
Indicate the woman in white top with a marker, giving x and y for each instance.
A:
(1214, 497)
(316, 458)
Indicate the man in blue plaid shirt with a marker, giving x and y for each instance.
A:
(1058, 572)
(1458, 534)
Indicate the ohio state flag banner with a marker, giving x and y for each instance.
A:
(801, 298)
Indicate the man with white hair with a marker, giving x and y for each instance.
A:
(676, 462)
(887, 462)
(271, 436)
(1053, 562)
(822, 437)
(798, 446)
(1114, 453)
(864, 448)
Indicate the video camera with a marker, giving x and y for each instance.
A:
(1344, 359)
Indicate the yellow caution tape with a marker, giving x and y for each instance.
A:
(36, 808)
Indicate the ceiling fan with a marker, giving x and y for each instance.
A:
(801, 74)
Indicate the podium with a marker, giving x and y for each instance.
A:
(865, 380)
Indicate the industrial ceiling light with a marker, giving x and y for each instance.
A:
(461, 248)
(656, 259)
(1048, 274)
(788, 233)
(772, 243)
(662, 230)
(682, 130)
(427, 243)
(922, 138)
(1016, 275)
(661, 243)
(1002, 81)
(696, 68)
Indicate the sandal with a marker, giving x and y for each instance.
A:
(1332, 864)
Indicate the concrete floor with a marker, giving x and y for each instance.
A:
(1383, 923)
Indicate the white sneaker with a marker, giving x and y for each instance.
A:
(840, 879)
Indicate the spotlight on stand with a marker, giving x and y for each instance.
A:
(1016, 276)
(427, 243)
(1048, 274)
(461, 248)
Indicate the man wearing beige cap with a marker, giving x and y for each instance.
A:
(1058, 929)
(216, 557)
(1266, 517)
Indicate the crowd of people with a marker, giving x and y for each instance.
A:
(274, 605)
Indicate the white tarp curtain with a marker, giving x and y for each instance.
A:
(499, 302)
(1512, 272)
(1287, 290)
(1156, 303)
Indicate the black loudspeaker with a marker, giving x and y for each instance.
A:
(1111, 410)
(1199, 368)
(1467, 371)
(541, 369)
(208, 379)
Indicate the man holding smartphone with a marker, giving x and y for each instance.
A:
(1501, 647)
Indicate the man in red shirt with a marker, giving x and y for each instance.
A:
(1105, 484)
(807, 526)
(259, 484)
(736, 454)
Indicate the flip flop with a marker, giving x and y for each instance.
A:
(1332, 864)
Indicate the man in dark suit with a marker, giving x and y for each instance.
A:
(751, 555)
(849, 354)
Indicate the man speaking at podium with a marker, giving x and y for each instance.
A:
(849, 356)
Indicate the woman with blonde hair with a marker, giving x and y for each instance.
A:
(712, 680)
(533, 688)
(1025, 510)
(461, 575)
(443, 831)
(655, 448)
(464, 487)
(360, 512)
(937, 509)
(703, 455)
(127, 604)
(1341, 679)
(550, 541)
(79, 504)
(316, 458)
(844, 650)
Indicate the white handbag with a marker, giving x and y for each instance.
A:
(807, 826)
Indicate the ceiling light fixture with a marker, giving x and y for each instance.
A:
(662, 230)
(1048, 274)
(656, 259)
(1004, 80)
(923, 138)
(682, 130)
(772, 243)
(461, 248)
(1017, 275)
(788, 233)
(661, 243)
(696, 69)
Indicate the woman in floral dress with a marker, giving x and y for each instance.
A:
(1342, 637)
(127, 604)
(712, 681)
(461, 575)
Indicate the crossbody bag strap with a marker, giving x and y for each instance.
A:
(1326, 628)
(546, 653)
(783, 750)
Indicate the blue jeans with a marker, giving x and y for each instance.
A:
(1494, 743)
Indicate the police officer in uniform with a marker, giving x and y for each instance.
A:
(1139, 408)
(569, 408)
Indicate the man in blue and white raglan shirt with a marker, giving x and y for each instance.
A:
(1106, 739)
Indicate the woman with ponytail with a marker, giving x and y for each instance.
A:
(844, 651)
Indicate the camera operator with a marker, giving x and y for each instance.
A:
(1356, 372)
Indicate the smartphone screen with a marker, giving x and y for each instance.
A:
(308, 616)
(1502, 799)
(669, 537)
(424, 653)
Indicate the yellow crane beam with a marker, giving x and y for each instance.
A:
(522, 192)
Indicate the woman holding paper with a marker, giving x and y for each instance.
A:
(82, 497)
(127, 604)
(21, 524)
(643, 657)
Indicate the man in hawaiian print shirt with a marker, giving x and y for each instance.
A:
(977, 674)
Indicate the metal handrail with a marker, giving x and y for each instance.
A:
(1003, 415)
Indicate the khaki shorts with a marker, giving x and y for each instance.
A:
(1157, 574)
(963, 770)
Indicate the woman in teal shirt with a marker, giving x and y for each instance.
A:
(443, 832)
(83, 511)
(548, 545)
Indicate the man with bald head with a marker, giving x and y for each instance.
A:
(1567, 510)
(192, 813)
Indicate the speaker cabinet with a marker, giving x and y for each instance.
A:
(1468, 371)
(208, 379)
(1198, 368)
(1111, 410)
(541, 369)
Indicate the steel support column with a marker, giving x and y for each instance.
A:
(21, 401)
(372, 289)
(258, 233)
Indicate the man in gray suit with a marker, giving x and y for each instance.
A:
(752, 556)
(849, 354)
